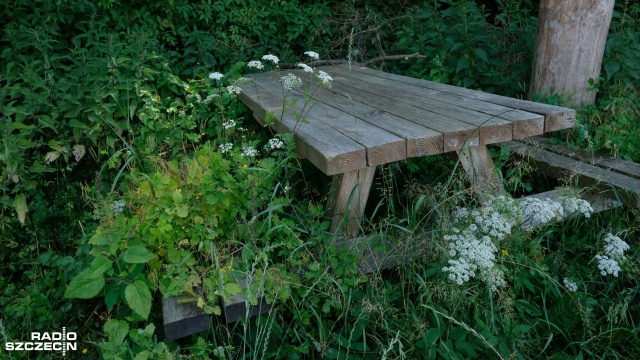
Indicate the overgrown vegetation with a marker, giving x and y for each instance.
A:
(131, 172)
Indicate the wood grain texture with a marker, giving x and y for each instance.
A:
(613, 184)
(381, 146)
(569, 47)
(329, 150)
(481, 171)
(555, 117)
(347, 200)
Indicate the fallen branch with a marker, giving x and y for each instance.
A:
(365, 63)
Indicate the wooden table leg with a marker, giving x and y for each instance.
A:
(480, 170)
(349, 193)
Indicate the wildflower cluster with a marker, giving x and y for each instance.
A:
(570, 285)
(274, 59)
(249, 152)
(609, 261)
(229, 124)
(275, 144)
(325, 78)
(232, 89)
(224, 148)
(215, 76)
(473, 246)
(117, 207)
(290, 81)
(255, 64)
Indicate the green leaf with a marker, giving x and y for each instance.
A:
(57, 146)
(481, 54)
(112, 293)
(116, 330)
(462, 64)
(85, 285)
(138, 254)
(182, 211)
(20, 204)
(177, 196)
(90, 281)
(232, 288)
(138, 297)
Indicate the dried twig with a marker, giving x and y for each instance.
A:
(365, 63)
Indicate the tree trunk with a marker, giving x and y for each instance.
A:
(569, 47)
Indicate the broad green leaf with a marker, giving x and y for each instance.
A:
(138, 297)
(51, 156)
(182, 211)
(85, 285)
(90, 281)
(116, 331)
(20, 204)
(57, 146)
(138, 254)
(177, 196)
(232, 288)
(112, 293)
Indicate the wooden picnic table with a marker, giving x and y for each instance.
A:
(368, 118)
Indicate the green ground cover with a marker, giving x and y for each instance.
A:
(131, 172)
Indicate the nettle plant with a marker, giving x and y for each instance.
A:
(480, 239)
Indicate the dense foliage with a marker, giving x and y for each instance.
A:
(129, 174)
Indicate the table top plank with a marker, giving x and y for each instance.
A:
(329, 150)
(556, 118)
(525, 124)
(492, 129)
(381, 146)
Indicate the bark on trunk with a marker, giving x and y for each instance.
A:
(569, 47)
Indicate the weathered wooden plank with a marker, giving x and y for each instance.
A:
(348, 198)
(382, 146)
(420, 140)
(237, 307)
(613, 184)
(618, 165)
(524, 123)
(455, 133)
(480, 170)
(182, 317)
(329, 150)
(556, 118)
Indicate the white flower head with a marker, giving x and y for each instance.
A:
(325, 79)
(570, 285)
(607, 265)
(215, 76)
(117, 207)
(541, 211)
(275, 144)
(256, 64)
(305, 67)
(290, 81)
(615, 247)
(572, 205)
(229, 124)
(224, 148)
(274, 59)
(249, 152)
(209, 98)
(312, 54)
(232, 89)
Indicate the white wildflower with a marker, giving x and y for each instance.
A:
(470, 254)
(312, 54)
(249, 152)
(224, 148)
(274, 59)
(541, 211)
(460, 271)
(274, 144)
(493, 277)
(229, 124)
(305, 67)
(290, 81)
(607, 265)
(117, 207)
(615, 247)
(256, 64)
(493, 223)
(570, 285)
(209, 98)
(572, 205)
(232, 89)
(325, 79)
(215, 76)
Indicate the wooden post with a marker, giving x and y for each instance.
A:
(569, 47)
(349, 193)
(480, 170)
